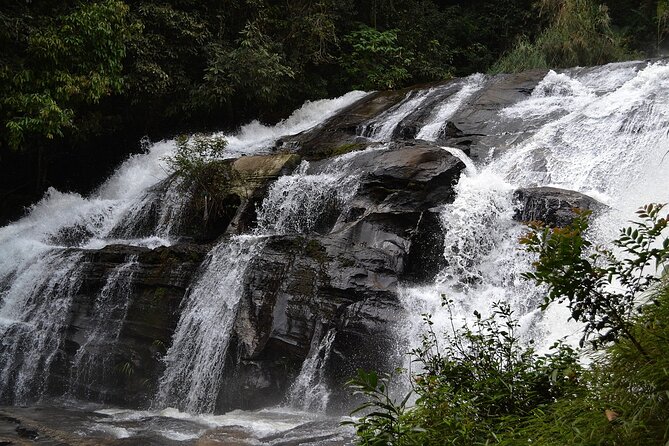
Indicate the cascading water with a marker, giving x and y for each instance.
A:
(43, 253)
(196, 357)
(600, 131)
(301, 202)
(309, 392)
(438, 118)
(382, 127)
(92, 364)
(32, 317)
(295, 204)
(607, 139)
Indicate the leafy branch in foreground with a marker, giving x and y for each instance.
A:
(468, 387)
(601, 290)
(381, 424)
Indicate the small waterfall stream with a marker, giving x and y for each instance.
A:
(196, 358)
(438, 118)
(295, 204)
(309, 392)
(32, 317)
(92, 363)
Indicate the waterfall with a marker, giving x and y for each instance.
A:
(304, 201)
(256, 138)
(381, 128)
(600, 131)
(33, 317)
(309, 392)
(195, 360)
(438, 118)
(294, 204)
(42, 261)
(607, 139)
(92, 364)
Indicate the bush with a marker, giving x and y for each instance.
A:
(626, 402)
(484, 387)
(469, 388)
(601, 290)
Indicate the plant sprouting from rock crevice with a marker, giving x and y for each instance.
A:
(197, 162)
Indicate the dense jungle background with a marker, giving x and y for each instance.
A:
(81, 83)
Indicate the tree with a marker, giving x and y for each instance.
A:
(376, 60)
(69, 61)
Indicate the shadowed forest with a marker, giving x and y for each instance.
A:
(82, 82)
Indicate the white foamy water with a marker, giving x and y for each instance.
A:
(196, 358)
(438, 118)
(295, 204)
(255, 137)
(137, 205)
(33, 315)
(270, 426)
(602, 131)
(381, 128)
(92, 363)
(601, 134)
(299, 203)
(309, 392)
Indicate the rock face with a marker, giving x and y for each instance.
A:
(124, 328)
(552, 206)
(335, 280)
(344, 280)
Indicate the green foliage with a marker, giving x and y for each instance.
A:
(255, 69)
(376, 60)
(382, 422)
(482, 386)
(579, 34)
(601, 290)
(470, 389)
(662, 22)
(626, 402)
(192, 160)
(76, 58)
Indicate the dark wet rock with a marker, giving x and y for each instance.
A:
(237, 186)
(340, 131)
(301, 286)
(127, 368)
(552, 206)
(408, 177)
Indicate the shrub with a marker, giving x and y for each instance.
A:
(601, 290)
(482, 386)
(467, 389)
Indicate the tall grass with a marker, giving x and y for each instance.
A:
(579, 34)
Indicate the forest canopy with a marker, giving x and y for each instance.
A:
(82, 82)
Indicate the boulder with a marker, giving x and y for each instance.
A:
(339, 134)
(344, 279)
(552, 206)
